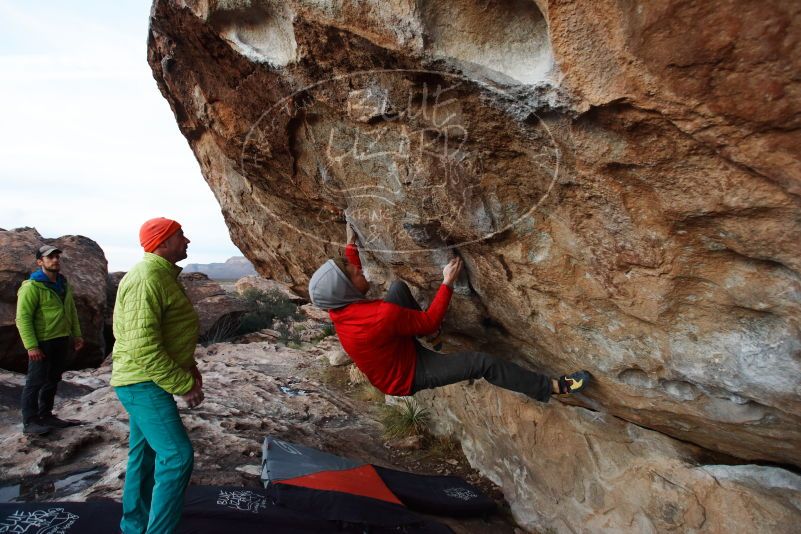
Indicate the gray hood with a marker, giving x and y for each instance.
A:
(330, 288)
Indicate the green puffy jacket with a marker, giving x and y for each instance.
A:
(42, 315)
(156, 328)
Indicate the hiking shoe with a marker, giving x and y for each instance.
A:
(573, 383)
(54, 422)
(34, 428)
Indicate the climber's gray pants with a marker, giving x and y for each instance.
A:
(435, 369)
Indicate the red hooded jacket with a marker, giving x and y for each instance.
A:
(379, 336)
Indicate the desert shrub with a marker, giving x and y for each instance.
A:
(369, 393)
(288, 336)
(356, 375)
(328, 330)
(406, 418)
(226, 328)
(265, 307)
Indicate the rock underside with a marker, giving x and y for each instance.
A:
(623, 181)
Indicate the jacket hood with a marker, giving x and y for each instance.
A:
(330, 288)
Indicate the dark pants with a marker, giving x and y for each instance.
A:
(435, 369)
(39, 392)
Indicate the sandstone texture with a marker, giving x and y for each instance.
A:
(84, 265)
(623, 181)
(576, 470)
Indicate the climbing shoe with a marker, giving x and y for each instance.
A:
(573, 383)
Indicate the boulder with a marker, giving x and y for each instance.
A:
(313, 312)
(338, 358)
(266, 285)
(622, 181)
(112, 283)
(84, 265)
(218, 311)
(592, 472)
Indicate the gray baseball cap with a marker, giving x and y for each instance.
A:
(46, 250)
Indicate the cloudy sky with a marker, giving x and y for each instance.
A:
(87, 143)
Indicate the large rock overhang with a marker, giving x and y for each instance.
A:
(624, 211)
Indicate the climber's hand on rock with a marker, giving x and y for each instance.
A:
(451, 271)
(351, 234)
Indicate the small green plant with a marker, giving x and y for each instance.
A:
(328, 330)
(224, 329)
(407, 418)
(287, 336)
(443, 447)
(264, 307)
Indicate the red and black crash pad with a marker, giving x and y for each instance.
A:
(253, 510)
(207, 509)
(303, 478)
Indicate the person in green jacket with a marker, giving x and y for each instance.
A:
(46, 318)
(156, 330)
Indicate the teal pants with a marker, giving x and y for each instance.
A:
(160, 460)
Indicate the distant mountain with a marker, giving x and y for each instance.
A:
(233, 269)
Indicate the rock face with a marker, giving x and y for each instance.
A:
(84, 265)
(112, 283)
(604, 474)
(218, 311)
(622, 180)
(266, 285)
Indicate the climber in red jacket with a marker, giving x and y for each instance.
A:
(379, 336)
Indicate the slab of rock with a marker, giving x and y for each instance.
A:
(84, 265)
(251, 391)
(338, 358)
(266, 285)
(313, 312)
(562, 466)
(408, 443)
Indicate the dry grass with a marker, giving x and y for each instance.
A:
(356, 376)
(369, 393)
(407, 418)
(335, 377)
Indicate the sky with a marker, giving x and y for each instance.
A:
(88, 145)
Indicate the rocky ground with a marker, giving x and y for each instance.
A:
(253, 390)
